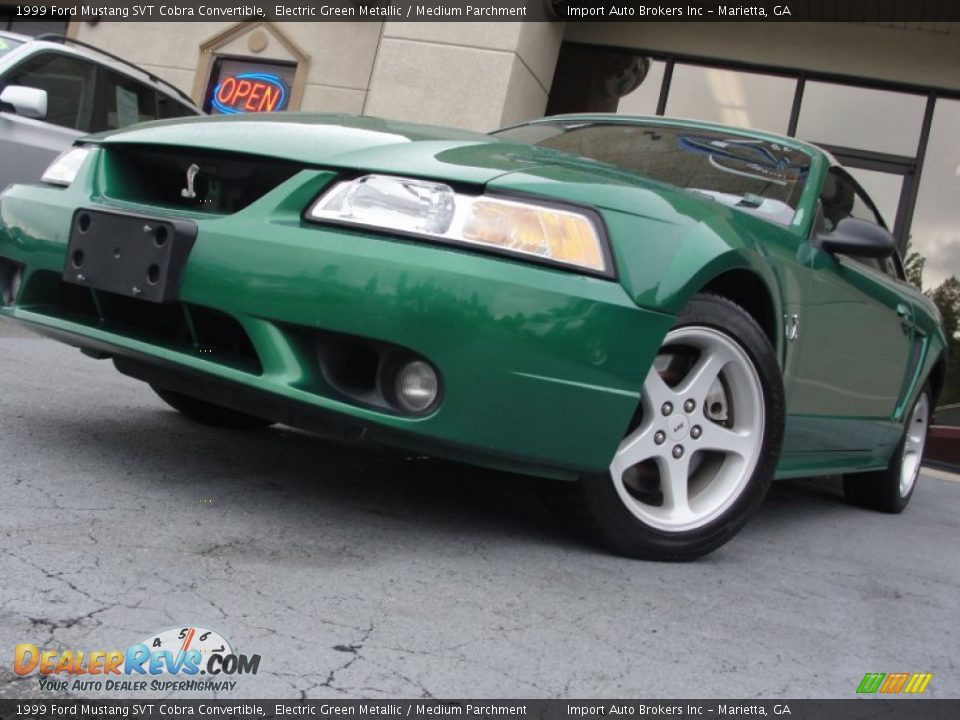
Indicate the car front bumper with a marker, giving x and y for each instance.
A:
(541, 368)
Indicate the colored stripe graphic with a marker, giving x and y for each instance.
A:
(918, 682)
(871, 682)
(893, 683)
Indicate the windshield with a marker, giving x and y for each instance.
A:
(8, 44)
(757, 176)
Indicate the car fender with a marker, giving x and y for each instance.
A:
(667, 244)
(666, 273)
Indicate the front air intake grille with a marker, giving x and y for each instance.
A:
(183, 327)
(187, 179)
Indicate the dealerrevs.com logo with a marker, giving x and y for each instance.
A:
(170, 660)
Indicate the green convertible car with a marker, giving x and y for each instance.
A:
(662, 316)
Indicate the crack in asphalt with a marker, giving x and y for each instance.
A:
(57, 576)
(331, 676)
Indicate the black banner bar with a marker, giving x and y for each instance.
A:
(875, 708)
(889, 11)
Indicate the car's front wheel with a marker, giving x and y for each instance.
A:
(889, 490)
(210, 414)
(701, 452)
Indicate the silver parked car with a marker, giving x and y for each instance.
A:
(54, 89)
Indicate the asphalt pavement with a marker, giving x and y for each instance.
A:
(355, 571)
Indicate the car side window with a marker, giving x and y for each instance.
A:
(893, 266)
(170, 108)
(69, 83)
(125, 101)
(840, 198)
(128, 101)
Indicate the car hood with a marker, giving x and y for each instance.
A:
(369, 144)
(361, 143)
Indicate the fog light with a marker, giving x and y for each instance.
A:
(417, 386)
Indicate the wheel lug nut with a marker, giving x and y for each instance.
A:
(666, 408)
(689, 406)
(678, 451)
(659, 437)
(696, 432)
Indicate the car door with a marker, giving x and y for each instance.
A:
(856, 334)
(28, 145)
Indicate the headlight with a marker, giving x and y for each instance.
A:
(64, 169)
(434, 210)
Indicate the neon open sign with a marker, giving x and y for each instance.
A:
(249, 92)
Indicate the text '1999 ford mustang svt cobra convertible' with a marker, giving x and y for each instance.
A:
(661, 316)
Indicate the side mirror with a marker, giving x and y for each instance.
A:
(858, 237)
(26, 101)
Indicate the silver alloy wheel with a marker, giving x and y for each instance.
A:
(913, 444)
(703, 460)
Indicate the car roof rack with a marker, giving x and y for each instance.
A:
(53, 37)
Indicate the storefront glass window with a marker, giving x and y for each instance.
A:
(643, 100)
(935, 232)
(12, 20)
(731, 97)
(856, 117)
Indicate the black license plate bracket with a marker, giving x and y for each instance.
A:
(129, 254)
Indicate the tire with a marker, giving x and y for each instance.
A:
(686, 478)
(889, 490)
(209, 414)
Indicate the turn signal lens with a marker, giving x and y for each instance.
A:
(64, 169)
(559, 235)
